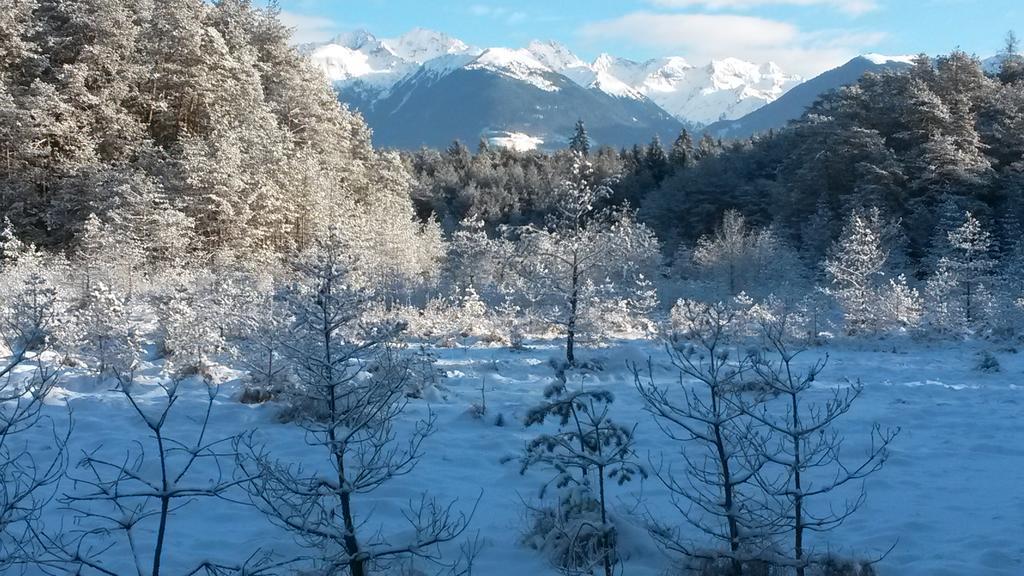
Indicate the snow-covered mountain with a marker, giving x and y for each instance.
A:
(359, 60)
(723, 89)
(793, 103)
(726, 88)
(377, 76)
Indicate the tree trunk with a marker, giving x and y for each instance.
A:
(574, 302)
(727, 489)
(356, 563)
(606, 545)
(798, 501)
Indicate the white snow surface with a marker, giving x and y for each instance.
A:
(951, 497)
(516, 141)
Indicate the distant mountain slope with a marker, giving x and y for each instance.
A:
(794, 103)
(524, 108)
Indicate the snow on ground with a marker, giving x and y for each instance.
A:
(951, 497)
(516, 141)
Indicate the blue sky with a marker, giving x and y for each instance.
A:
(803, 36)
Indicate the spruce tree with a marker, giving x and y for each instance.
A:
(580, 141)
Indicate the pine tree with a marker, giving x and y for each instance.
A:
(656, 161)
(969, 261)
(856, 268)
(682, 155)
(350, 391)
(1011, 69)
(580, 141)
(588, 450)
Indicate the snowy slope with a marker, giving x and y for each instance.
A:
(515, 64)
(727, 88)
(361, 59)
(560, 59)
(881, 59)
(950, 497)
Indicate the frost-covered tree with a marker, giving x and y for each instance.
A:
(28, 311)
(901, 305)
(857, 268)
(584, 253)
(34, 303)
(580, 141)
(715, 494)
(187, 125)
(738, 258)
(192, 320)
(350, 390)
(969, 262)
(804, 463)
(261, 318)
(107, 334)
(682, 154)
(472, 258)
(124, 505)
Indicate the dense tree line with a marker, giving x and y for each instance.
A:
(186, 127)
(920, 145)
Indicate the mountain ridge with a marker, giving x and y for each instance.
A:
(529, 97)
(698, 95)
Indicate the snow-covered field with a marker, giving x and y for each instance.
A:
(951, 496)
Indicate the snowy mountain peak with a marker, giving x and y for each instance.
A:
(420, 45)
(355, 40)
(554, 55)
(518, 64)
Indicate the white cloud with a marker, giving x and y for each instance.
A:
(309, 28)
(497, 13)
(851, 7)
(704, 37)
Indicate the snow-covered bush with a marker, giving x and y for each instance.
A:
(987, 363)
(621, 313)
(570, 533)
(107, 335)
(513, 321)
(35, 302)
(690, 318)
(739, 258)
(448, 321)
(587, 450)
(192, 323)
(835, 566)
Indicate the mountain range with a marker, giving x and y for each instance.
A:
(426, 88)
